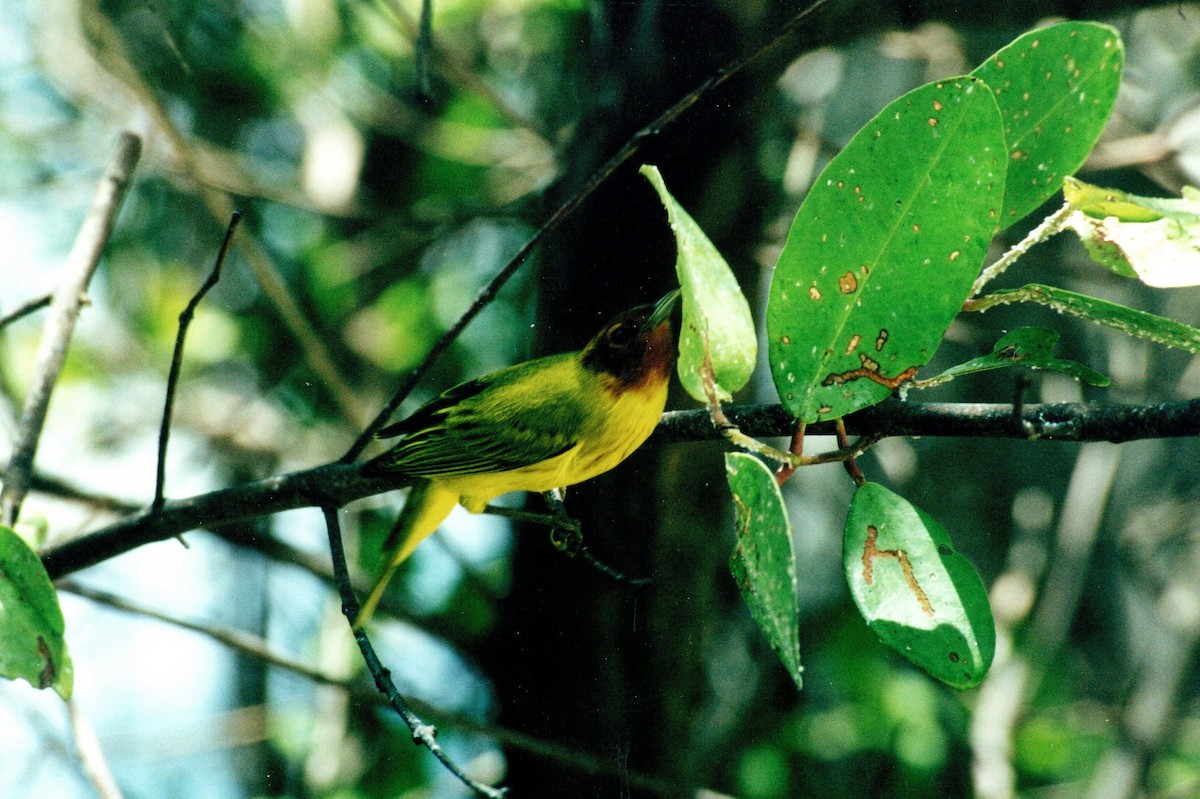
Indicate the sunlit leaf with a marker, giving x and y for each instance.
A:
(31, 623)
(763, 562)
(885, 248)
(916, 592)
(1031, 347)
(1056, 87)
(1119, 317)
(1156, 240)
(713, 305)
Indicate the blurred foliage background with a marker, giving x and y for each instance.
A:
(375, 209)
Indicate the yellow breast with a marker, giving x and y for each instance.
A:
(619, 425)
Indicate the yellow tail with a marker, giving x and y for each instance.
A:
(427, 506)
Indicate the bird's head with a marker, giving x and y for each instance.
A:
(637, 345)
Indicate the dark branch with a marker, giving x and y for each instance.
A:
(334, 483)
(340, 483)
(29, 307)
(422, 733)
(1067, 421)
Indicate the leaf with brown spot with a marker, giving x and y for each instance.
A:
(31, 623)
(903, 260)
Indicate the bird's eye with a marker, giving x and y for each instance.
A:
(622, 334)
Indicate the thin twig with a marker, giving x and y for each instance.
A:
(1068, 421)
(458, 71)
(60, 322)
(423, 734)
(785, 470)
(32, 306)
(851, 465)
(234, 639)
(257, 647)
(185, 321)
(1050, 226)
(91, 756)
(489, 291)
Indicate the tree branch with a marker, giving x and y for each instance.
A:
(342, 483)
(60, 322)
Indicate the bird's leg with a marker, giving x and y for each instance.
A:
(566, 535)
(565, 532)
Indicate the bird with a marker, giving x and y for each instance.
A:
(540, 425)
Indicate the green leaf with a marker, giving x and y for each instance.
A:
(31, 623)
(1056, 87)
(1156, 240)
(713, 305)
(1119, 317)
(763, 562)
(885, 248)
(1031, 347)
(916, 592)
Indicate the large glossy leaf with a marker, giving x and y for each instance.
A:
(713, 306)
(883, 251)
(764, 562)
(917, 593)
(31, 623)
(1154, 239)
(1056, 87)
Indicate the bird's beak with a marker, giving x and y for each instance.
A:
(662, 311)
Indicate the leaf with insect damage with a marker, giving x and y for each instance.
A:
(764, 562)
(915, 590)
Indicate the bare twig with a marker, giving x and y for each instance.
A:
(423, 734)
(60, 322)
(1050, 226)
(91, 756)
(255, 646)
(32, 306)
(185, 320)
(488, 293)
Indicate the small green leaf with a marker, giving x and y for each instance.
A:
(884, 250)
(31, 622)
(1119, 317)
(763, 562)
(1031, 347)
(1156, 240)
(916, 592)
(713, 305)
(1056, 87)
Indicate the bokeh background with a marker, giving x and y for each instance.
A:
(375, 209)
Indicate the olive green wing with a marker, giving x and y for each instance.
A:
(507, 420)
